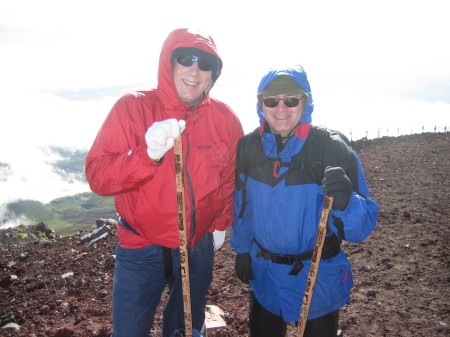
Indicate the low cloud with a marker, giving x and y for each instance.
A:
(9, 219)
(43, 174)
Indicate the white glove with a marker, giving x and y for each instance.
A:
(219, 239)
(160, 136)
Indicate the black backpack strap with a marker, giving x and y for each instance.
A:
(244, 198)
(331, 248)
(246, 149)
(167, 257)
(318, 138)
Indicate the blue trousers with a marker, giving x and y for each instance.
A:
(139, 283)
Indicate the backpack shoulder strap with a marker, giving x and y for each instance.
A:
(249, 148)
(246, 151)
(315, 151)
(319, 137)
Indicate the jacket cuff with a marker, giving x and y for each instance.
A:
(141, 151)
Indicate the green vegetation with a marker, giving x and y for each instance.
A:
(32, 210)
(65, 215)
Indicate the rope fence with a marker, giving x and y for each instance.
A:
(394, 132)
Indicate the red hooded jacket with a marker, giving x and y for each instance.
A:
(144, 191)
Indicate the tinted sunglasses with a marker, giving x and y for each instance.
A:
(188, 61)
(290, 102)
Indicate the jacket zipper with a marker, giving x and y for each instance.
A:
(191, 189)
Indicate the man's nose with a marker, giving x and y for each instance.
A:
(193, 69)
(281, 105)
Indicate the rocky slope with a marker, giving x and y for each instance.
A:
(62, 287)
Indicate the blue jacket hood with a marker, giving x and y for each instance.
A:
(298, 74)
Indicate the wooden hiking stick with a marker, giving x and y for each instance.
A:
(315, 260)
(184, 259)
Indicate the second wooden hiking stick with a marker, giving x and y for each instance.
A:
(184, 258)
(315, 260)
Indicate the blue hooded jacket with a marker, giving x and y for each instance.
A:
(280, 211)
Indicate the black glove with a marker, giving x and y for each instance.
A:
(337, 185)
(243, 267)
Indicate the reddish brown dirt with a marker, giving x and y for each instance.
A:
(401, 271)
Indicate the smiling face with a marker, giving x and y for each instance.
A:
(281, 118)
(191, 82)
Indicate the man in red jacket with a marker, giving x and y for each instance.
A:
(132, 159)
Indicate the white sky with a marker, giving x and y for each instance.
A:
(371, 64)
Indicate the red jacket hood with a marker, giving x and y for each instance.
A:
(180, 38)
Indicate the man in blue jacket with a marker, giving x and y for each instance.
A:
(284, 170)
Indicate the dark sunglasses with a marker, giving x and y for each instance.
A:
(188, 61)
(290, 102)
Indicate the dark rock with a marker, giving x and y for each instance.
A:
(95, 234)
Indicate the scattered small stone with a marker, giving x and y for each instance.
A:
(22, 257)
(103, 293)
(11, 327)
(45, 309)
(65, 308)
(371, 293)
(7, 281)
(6, 318)
(66, 275)
(64, 332)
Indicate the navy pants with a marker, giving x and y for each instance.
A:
(139, 281)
